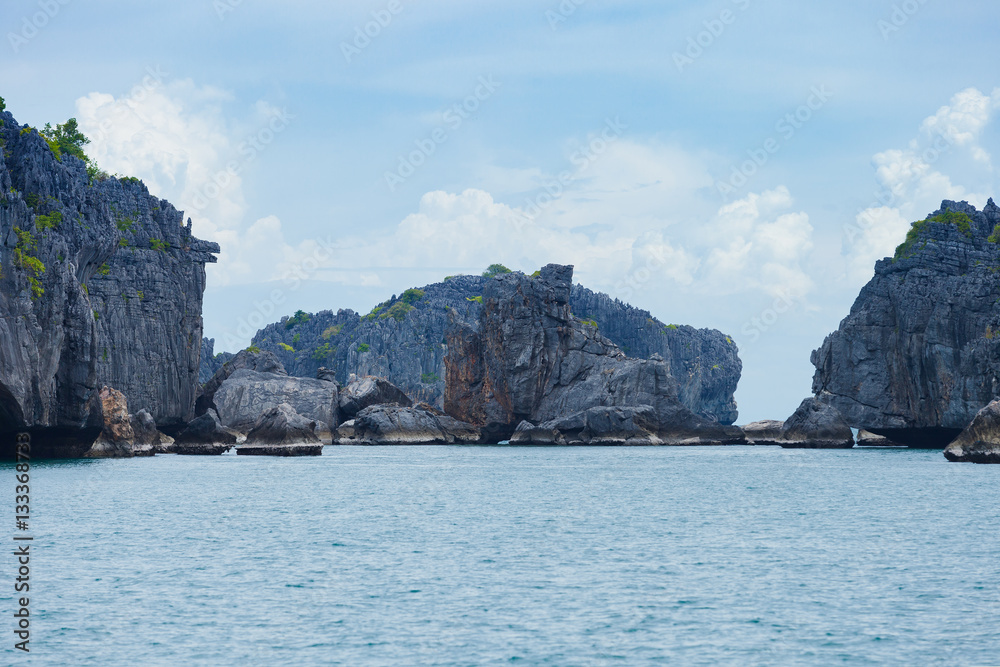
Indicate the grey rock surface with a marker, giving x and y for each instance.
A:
(364, 392)
(869, 439)
(117, 437)
(980, 441)
(918, 356)
(101, 284)
(766, 432)
(210, 361)
(398, 425)
(147, 437)
(403, 340)
(247, 394)
(282, 425)
(300, 449)
(530, 360)
(596, 426)
(205, 435)
(816, 425)
(261, 361)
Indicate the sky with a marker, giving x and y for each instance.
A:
(732, 164)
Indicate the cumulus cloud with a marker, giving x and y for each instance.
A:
(914, 180)
(178, 138)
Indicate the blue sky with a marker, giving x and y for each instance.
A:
(601, 104)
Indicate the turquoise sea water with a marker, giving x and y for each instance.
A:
(501, 555)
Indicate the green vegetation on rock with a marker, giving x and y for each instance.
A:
(329, 332)
(429, 378)
(50, 221)
(286, 347)
(363, 347)
(159, 245)
(25, 259)
(66, 138)
(323, 352)
(477, 299)
(253, 349)
(300, 317)
(960, 220)
(494, 270)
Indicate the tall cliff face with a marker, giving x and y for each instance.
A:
(531, 359)
(101, 285)
(403, 340)
(705, 362)
(919, 354)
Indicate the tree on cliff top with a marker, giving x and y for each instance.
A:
(67, 138)
(495, 270)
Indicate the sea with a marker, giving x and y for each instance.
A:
(500, 555)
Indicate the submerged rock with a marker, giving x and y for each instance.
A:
(282, 425)
(398, 425)
(247, 394)
(816, 425)
(361, 393)
(766, 432)
(596, 426)
(919, 354)
(530, 360)
(869, 439)
(980, 441)
(300, 449)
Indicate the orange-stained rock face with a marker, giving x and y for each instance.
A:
(114, 409)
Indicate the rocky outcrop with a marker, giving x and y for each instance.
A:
(364, 392)
(247, 394)
(147, 438)
(298, 449)
(402, 340)
(705, 362)
(397, 425)
(205, 435)
(282, 425)
(816, 425)
(980, 441)
(250, 359)
(596, 426)
(117, 436)
(100, 284)
(869, 439)
(766, 432)
(531, 360)
(919, 353)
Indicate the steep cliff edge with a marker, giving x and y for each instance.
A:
(919, 354)
(403, 339)
(531, 360)
(100, 284)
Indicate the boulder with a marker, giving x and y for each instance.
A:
(205, 435)
(816, 425)
(117, 437)
(251, 359)
(328, 374)
(147, 437)
(531, 360)
(766, 432)
(398, 425)
(596, 426)
(980, 441)
(868, 439)
(918, 355)
(282, 425)
(314, 449)
(361, 393)
(246, 395)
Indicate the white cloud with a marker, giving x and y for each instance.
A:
(178, 139)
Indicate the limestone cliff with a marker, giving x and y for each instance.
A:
(919, 354)
(100, 284)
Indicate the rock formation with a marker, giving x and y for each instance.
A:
(205, 435)
(117, 436)
(869, 439)
(919, 353)
(595, 426)
(767, 432)
(980, 441)
(402, 340)
(364, 392)
(281, 431)
(816, 425)
(210, 361)
(247, 394)
(251, 359)
(100, 284)
(530, 360)
(398, 425)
